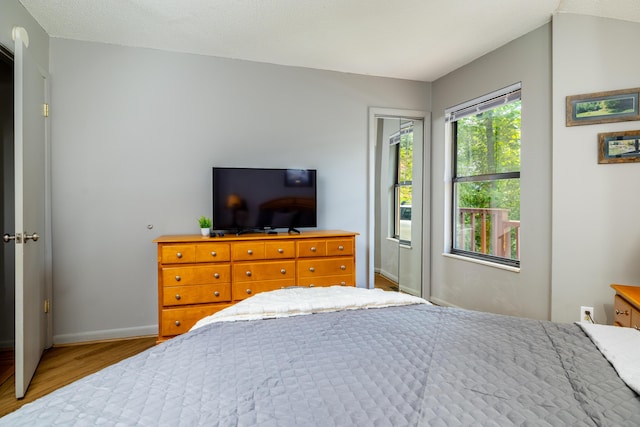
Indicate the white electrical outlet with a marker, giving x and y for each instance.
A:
(586, 314)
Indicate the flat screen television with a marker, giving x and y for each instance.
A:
(259, 199)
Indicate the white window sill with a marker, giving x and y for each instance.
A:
(483, 262)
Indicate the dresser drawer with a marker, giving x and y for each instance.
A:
(213, 252)
(268, 270)
(312, 248)
(622, 311)
(196, 294)
(247, 251)
(277, 250)
(176, 321)
(242, 290)
(337, 247)
(325, 267)
(346, 280)
(196, 275)
(178, 254)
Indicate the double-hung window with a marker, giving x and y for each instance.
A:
(402, 151)
(485, 196)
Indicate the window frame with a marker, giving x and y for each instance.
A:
(475, 106)
(395, 140)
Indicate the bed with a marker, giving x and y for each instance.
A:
(356, 357)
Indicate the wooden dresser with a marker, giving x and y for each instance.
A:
(198, 276)
(626, 306)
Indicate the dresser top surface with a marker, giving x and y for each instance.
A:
(229, 237)
(631, 293)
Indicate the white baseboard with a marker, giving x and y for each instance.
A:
(105, 334)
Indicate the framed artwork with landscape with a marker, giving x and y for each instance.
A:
(603, 107)
(619, 147)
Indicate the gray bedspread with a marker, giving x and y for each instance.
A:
(402, 366)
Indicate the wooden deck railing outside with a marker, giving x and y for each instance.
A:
(495, 229)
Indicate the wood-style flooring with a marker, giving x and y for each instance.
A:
(62, 365)
(384, 283)
(6, 364)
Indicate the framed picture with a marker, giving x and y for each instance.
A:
(603, 107)
(619, 147)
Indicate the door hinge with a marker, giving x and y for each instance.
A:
(47, 306)
(45, 110)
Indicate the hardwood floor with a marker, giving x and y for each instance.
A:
(384, 283)
(62, 365)
(6, 364)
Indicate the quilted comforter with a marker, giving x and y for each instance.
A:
(413, 365)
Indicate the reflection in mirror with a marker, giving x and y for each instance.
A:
(398, 217)
(410, 207)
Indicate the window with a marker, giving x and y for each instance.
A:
(486, 177)
(402, 151)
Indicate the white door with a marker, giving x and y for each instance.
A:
(31, 204)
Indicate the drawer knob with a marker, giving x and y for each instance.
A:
(340, 248)
(625, 312)
(283, 271)
(250, 252)
(311, 269)
(343, 283)
(214, 253)
(178, 278)
(311, 285)
(343, 267)
(179, 255)
(216, 293)
(248, 291)
(177, 323)
(216, 275)
(313, 248)
(280, 250)
(248, 273)
(178, 297)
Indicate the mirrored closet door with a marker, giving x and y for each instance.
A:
(398, 205)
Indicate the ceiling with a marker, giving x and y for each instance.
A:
(408, 39)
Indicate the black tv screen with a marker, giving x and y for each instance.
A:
(247, 199)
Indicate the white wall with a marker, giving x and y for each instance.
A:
(596, 234)
(135, 134)
(475, 286)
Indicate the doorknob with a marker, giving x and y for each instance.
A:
(33, 237)
(18, 237)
